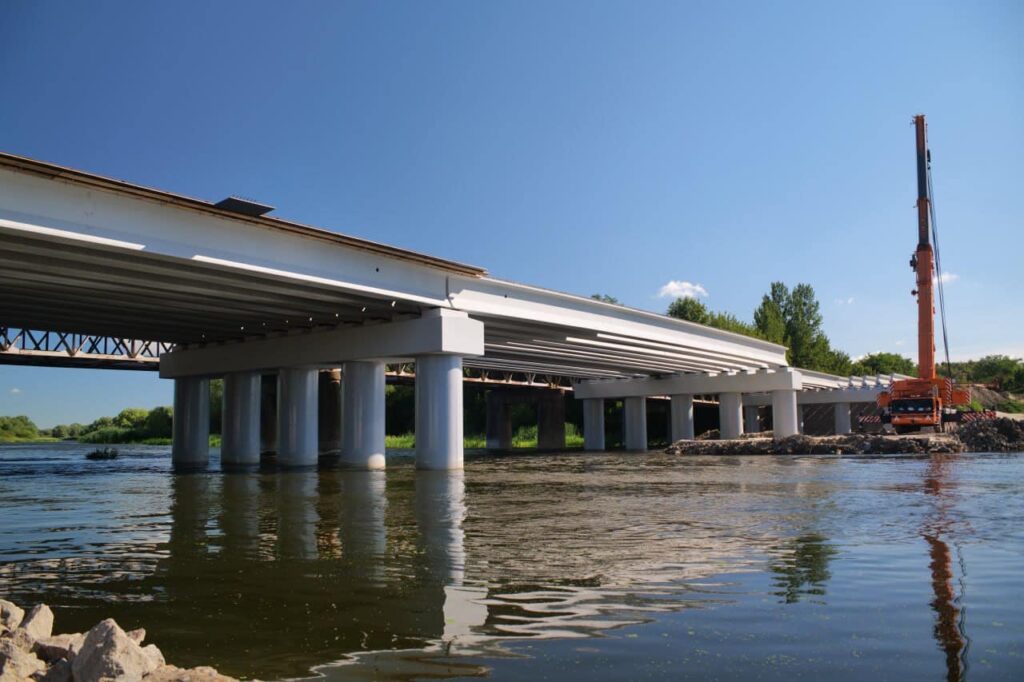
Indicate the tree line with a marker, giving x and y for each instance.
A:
(793, 318)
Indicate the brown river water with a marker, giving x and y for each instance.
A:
(592, 566)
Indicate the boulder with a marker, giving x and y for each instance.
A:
(16, 664)
(10, 614)
(108, 653)
(38, 623)
(22, 639)
(137, 635)
(58, 672)
(58, 647)
(170, 673)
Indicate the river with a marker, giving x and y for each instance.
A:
(571, 566)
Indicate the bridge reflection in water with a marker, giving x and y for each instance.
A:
(409, 574)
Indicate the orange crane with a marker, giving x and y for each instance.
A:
(928, 400)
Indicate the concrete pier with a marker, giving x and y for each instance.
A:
(499, 421)
(240, 427)
(439, 412)
(551, 421)
(842, 418)
(297, 412)
(329, 420)
(634, 423)
(751, 419)
(191, 444)
(593, 424)
(268, 413)
(680, 417)
(730, 415)
(363, 410)
(784, 413)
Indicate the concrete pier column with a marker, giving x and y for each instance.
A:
(751, 419)
(551, 421)
(329, 420)
(842, 418)
(240, 426)
(634, 422)
(439, 412)
(593, 424)
(297, 417)
(680, 412)
(784, 413)
(191, 444)
(362, 433)
(268, 413)
(730, 415)
(499, 421)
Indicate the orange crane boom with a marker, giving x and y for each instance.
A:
(927, 401)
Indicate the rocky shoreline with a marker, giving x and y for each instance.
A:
(30, 651)
(997, 435)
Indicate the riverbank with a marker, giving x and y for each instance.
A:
(29, 650)
(997, 435)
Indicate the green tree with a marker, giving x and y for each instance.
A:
(689, 309)
(159, 422)
(133, 418)
(17, 428)
(884, 363)
(770, 316)
(605, 298)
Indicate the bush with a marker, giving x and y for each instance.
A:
(17, 428)
(1011, 405)
(159, 423)
(108, 434)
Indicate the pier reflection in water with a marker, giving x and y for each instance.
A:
(608, 566)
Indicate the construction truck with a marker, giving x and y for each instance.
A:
(929, 400)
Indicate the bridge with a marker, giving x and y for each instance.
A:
(101, 272)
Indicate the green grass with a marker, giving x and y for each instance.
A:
(28, 439)
(119, 436)
(524, 437)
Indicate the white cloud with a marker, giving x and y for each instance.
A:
(845, 301)
(900, 342)
(947, 277)
(679, 289)
(15, 391)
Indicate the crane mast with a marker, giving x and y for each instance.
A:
(927, 401)
(923, 261)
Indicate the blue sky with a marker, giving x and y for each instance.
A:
(610, 147)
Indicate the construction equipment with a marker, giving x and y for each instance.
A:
(928, 400)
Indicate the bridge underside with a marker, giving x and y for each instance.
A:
(120, 276)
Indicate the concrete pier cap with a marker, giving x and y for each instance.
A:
(782, 383)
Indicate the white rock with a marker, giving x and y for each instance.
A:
(108, 653)
(16, 663)
(170, 673)
(10, 614)
(39, 622)
(137, 635)
(58, 647)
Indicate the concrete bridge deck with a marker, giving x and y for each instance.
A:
(224, 289)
